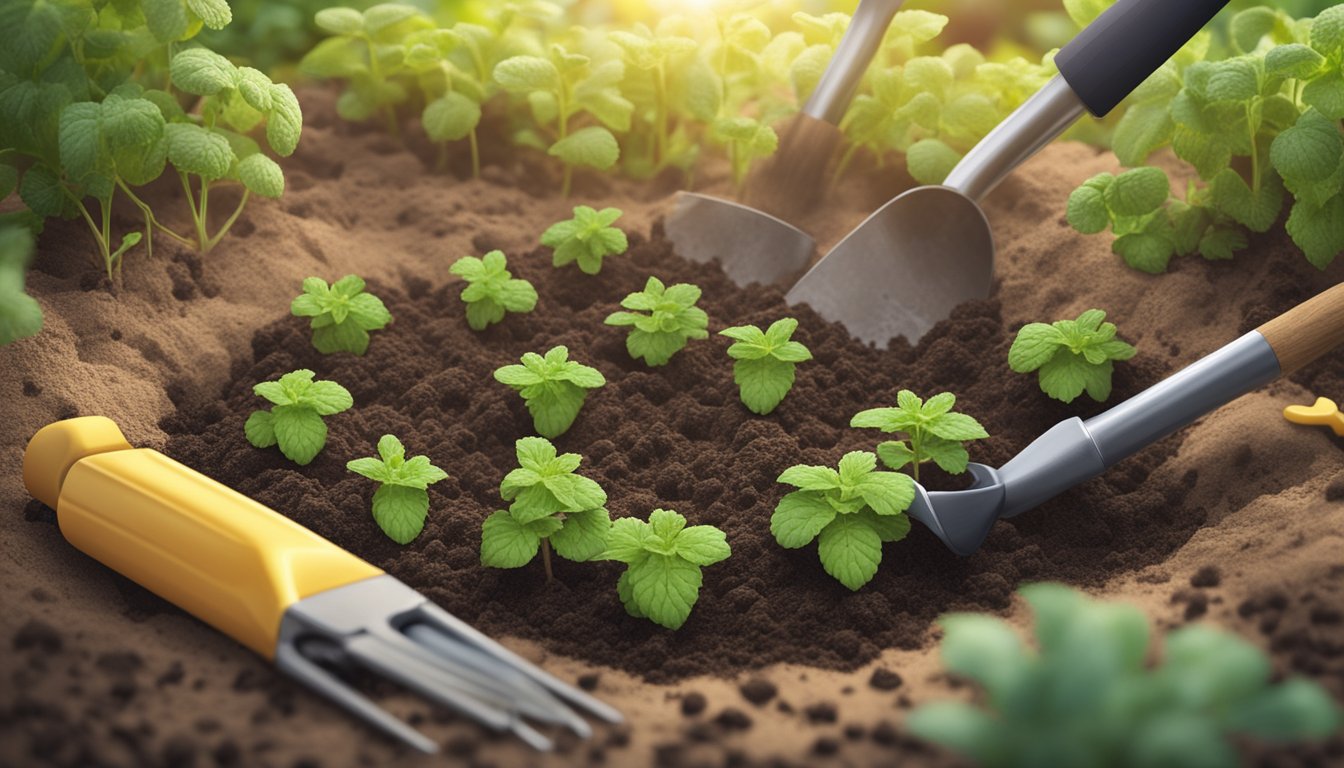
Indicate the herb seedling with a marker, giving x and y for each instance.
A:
(295, 421)
(554, 388)
(491, 289)
(664, 558)
(551, 506)
(20, 315)
(850, 512)
(401, 502)
(1091, 666)
(934, 432)
(342, 314)
(673, 319)
(748, 140)
(586, 239)
(1071, 355)
(765, 362)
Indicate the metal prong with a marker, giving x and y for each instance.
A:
(292, 661)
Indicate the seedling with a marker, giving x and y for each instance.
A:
(401, 503)
(20, 315)
(551, 506)
(295, 422)
(850, 513)
(554, 388)
(1071, 355)
(342, 314)
(934, 432)
(765, 362)
(1091, 669)
(748, 140)
(664, 558)
(673, 319)
(491, 289)
(586, 239)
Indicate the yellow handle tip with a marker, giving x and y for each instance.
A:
(1322, 412)
(59, 446)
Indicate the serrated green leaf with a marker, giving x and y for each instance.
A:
(1317, 230)
(1310, 150)
(930, 161)
(450, 117)
(1144, 251)
(299, 431)
(593, 146)
(1033, 346)
(195, 150)
(1086, 210)
(524, 74)
(850, 550)
(1137, 192)
(284, 124)
(262, 176)
(506, 543)
(799, 517)
(203, 72)
(1256, 210)
(400, 511)
(664, 587)
(583, 536)
(763, 383)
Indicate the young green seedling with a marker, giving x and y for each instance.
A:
(586, 239)
(934, 432)
(401, 502)
(20, 315)
(664, 558)
(554, 388)
(765, 362)
(342, 314)
(551, 506)
(1092, 665)
(673, 319)
(295, 422)
(491, 289)
(850, 512)
(748, 140)
(1071, 355)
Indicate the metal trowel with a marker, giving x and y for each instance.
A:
(754, 246)
(929, 249)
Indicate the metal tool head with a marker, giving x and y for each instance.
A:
(751, 246)
(380, 625)
(961, 519)
(904, 268)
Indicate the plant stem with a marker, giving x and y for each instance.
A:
(546, 559)
(88, 219)
(1255, 159)
(196, 216)
(475, 155)
(660, 117)
(562, 102)
(151, 219)
(228, 222)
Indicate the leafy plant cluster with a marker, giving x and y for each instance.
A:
(1087, 694)
(1260, 125)
(1070, 356)
(646, 98)
(101, 98)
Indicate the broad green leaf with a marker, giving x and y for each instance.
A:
(215, 14)
(930, 160)
(506, 543)
(450, 117)
(1257, 210)
(850, 550)
(400, 511)
(702, 545)
(1142, 128)
(327, 398)
(810, 478)
(203, 72)
(1293, 60)
(1064, 376)
(593, 146)
(1317, 230)
(340, 21)
(583, 536)
(888, 493)
(1086, 210)
(664, 588)
(1310, 150)
(260, 429)
(195, 150)
(284, 124)
(1033, 347)
(957, 725)
(957, 426)
(626, 540)
(262, 176)
(299, 431)
(895, 453)
(1143, 251)
(524, 74)
(763, 383)
(984, 649)
(799, 517)
(1137, 192)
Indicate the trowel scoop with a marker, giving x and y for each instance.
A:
(751, 245)
(929, 249)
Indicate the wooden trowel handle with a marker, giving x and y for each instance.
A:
(1308, 330)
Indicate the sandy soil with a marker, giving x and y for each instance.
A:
(101, 672)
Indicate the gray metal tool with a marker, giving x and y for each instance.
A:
(1074, 450)
(929, 249)
(750, 244)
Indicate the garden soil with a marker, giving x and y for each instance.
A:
(1238, 520)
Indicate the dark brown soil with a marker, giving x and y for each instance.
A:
(677, 437)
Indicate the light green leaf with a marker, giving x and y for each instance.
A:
(664, 588)
(850, 550)
(799, 517)
(593, 146)
(340, 21)
(506, 543)
(524, 74)
(400, 511)
(299, 431)
(195, 150)
(1033, 347)
(583, 536)
(702, 545)
(260, 174)
(1137, 191)
(763, 383)
(260, 429)
(284, 124)
(1310, 150)
(202, 72)
(1317, 230)
(450, 117)
(930, 160)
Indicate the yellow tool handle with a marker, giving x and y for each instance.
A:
(1308, 330)
(226, 559)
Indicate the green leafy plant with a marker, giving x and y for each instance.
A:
(551, 506)
(401, 503)
(586, 239)
(662, 579)
(933, 432)
(1088, 695)
(295, 420)
(491, 289)
(554, 388)
(452, 68)
(850, 512)
(764, 362)
(748, 140)
(672, 320)
(20, 315)
(1071, 356)
(342, 314)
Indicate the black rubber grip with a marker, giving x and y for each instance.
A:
(1126, 44)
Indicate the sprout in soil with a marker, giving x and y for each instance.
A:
(1088, 695)
(764, 362)
(586, 239)
(664, 558)
(850, 512)
(295, 420)
(672, 319)
(934, 432)
(1070, 355)
(554, 388)
(401, 502)
(552, 507)
(342, 314)
(491, 289)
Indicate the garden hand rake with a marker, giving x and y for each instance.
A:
(930, 248)
(282, 590)
(1075, 450)
(751, 245)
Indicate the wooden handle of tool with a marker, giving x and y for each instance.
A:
(1308, 330)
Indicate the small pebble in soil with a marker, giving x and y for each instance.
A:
(826, 745)
(588, 682)
(1323, 616)
(1197, 607)
(733, 719)
(758, 690)
(884, 679)
(854, 732)
(693, 704)
(1207, 577)
(38, 636)
(821, 712)
(1335, 490)
(884, 733)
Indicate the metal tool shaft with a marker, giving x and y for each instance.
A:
(862, 38)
